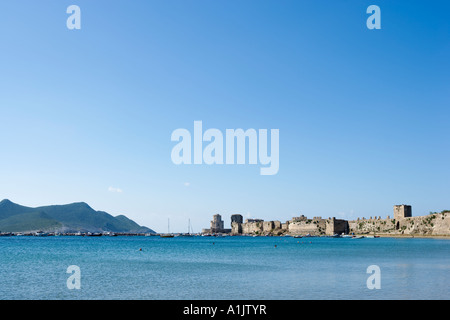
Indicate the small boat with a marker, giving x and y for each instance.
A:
(168, 234)
(335, 236)
(358, 237)
(188, 234)
(95, 234)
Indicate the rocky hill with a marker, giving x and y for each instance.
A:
(63, 218)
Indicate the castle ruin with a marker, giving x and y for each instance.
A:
(217, 226)
(402, 224)
(296, 226)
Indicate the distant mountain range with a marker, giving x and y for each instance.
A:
(72, 217)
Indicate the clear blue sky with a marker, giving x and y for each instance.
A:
(363, 114)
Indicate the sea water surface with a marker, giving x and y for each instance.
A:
(214, 268)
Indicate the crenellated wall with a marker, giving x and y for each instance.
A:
(432, 224)
(305, 227)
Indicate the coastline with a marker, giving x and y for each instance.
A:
(381, 235)
(386, 235)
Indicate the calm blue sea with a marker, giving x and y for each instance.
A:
(223, 268)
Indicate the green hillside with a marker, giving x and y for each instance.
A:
(29, 221)
(63, 218)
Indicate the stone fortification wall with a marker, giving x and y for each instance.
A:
(433, 224)
(252, 227)
(258, 227)
(307, 226)
(336, 226)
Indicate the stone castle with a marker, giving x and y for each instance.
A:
(403, 223)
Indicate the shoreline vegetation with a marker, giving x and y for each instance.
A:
(414, 236)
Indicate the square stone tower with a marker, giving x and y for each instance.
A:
(402, 211)
(217, 224)
(236, 224)
(236, 218)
